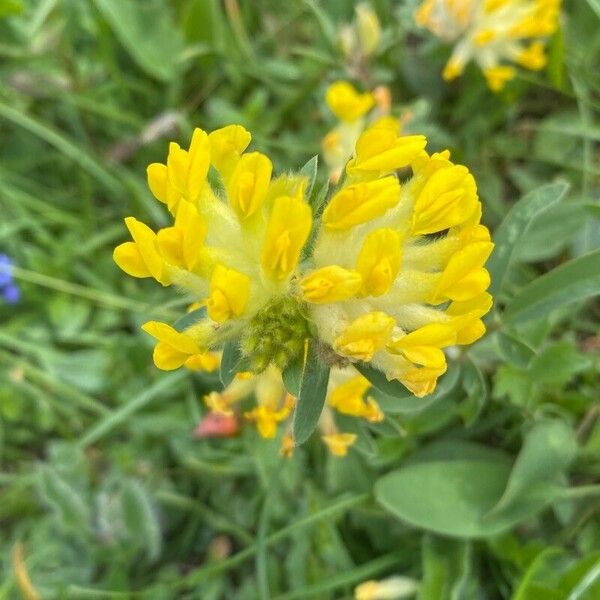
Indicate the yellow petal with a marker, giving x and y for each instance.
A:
(448, 198)
(169, 335)
(169, 243)
(379, 261)
(199, 162)
(330, 284)
(226, 147)
(464, 278)
(361, 202)
(167, 358)
(207, 361)
(145, 240)
(249, 183)
(423, 346)
(498, 76)
(128, 258)
(177, 167)
(287, 231)
(192, 228)
(348, 397)
(338, 443)
(380, 149)
(229, 293)
(157, 181)
(365, 336)
(346, 103)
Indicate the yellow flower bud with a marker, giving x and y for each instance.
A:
(368, 29)
(379, 261)
(249, 183)
(448, 198)
(381, 150)
(422, 346)
(330, 284)
(498, 76)
(287, 231)
(226, 147)
(361, 202)
(464, 276)
(532, 57)
(187, 170)
(229, 293)
(174, 348)
(346, 103)
(141, 258)
(338, 443)
(365, 335)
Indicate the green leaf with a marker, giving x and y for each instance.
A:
(203, 22)
(537, 476)
(147, 32)
(10, 7)
(513, 349)
(68, 504)
(311, 395)
(573, 281)
(230, 362)
(140, 519)
(309, 170)
(515, 224)
(390, 387)
(447, 569)
(558, 363)
(595, 6)
(540, 579)
(447, 495)
(410, 404)
(190, 319)
(476, 389)
(292, 376)
(516, 385)
(553, 230)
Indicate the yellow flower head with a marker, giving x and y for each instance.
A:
(493, 33)
(234, 247)
(393, 275)
(398, 268)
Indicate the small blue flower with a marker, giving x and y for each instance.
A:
(5, 270)
(11, 294)
(8, 288)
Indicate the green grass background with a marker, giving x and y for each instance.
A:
(102, 484)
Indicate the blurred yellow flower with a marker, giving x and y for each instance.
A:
(492, 33)
(347, 395)
(392, 588)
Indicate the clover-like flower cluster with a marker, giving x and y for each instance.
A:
(395, 273)
(493, 33)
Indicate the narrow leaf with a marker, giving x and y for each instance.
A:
(230, 362)
(575, 280)
(311, 396)
(190, 319)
